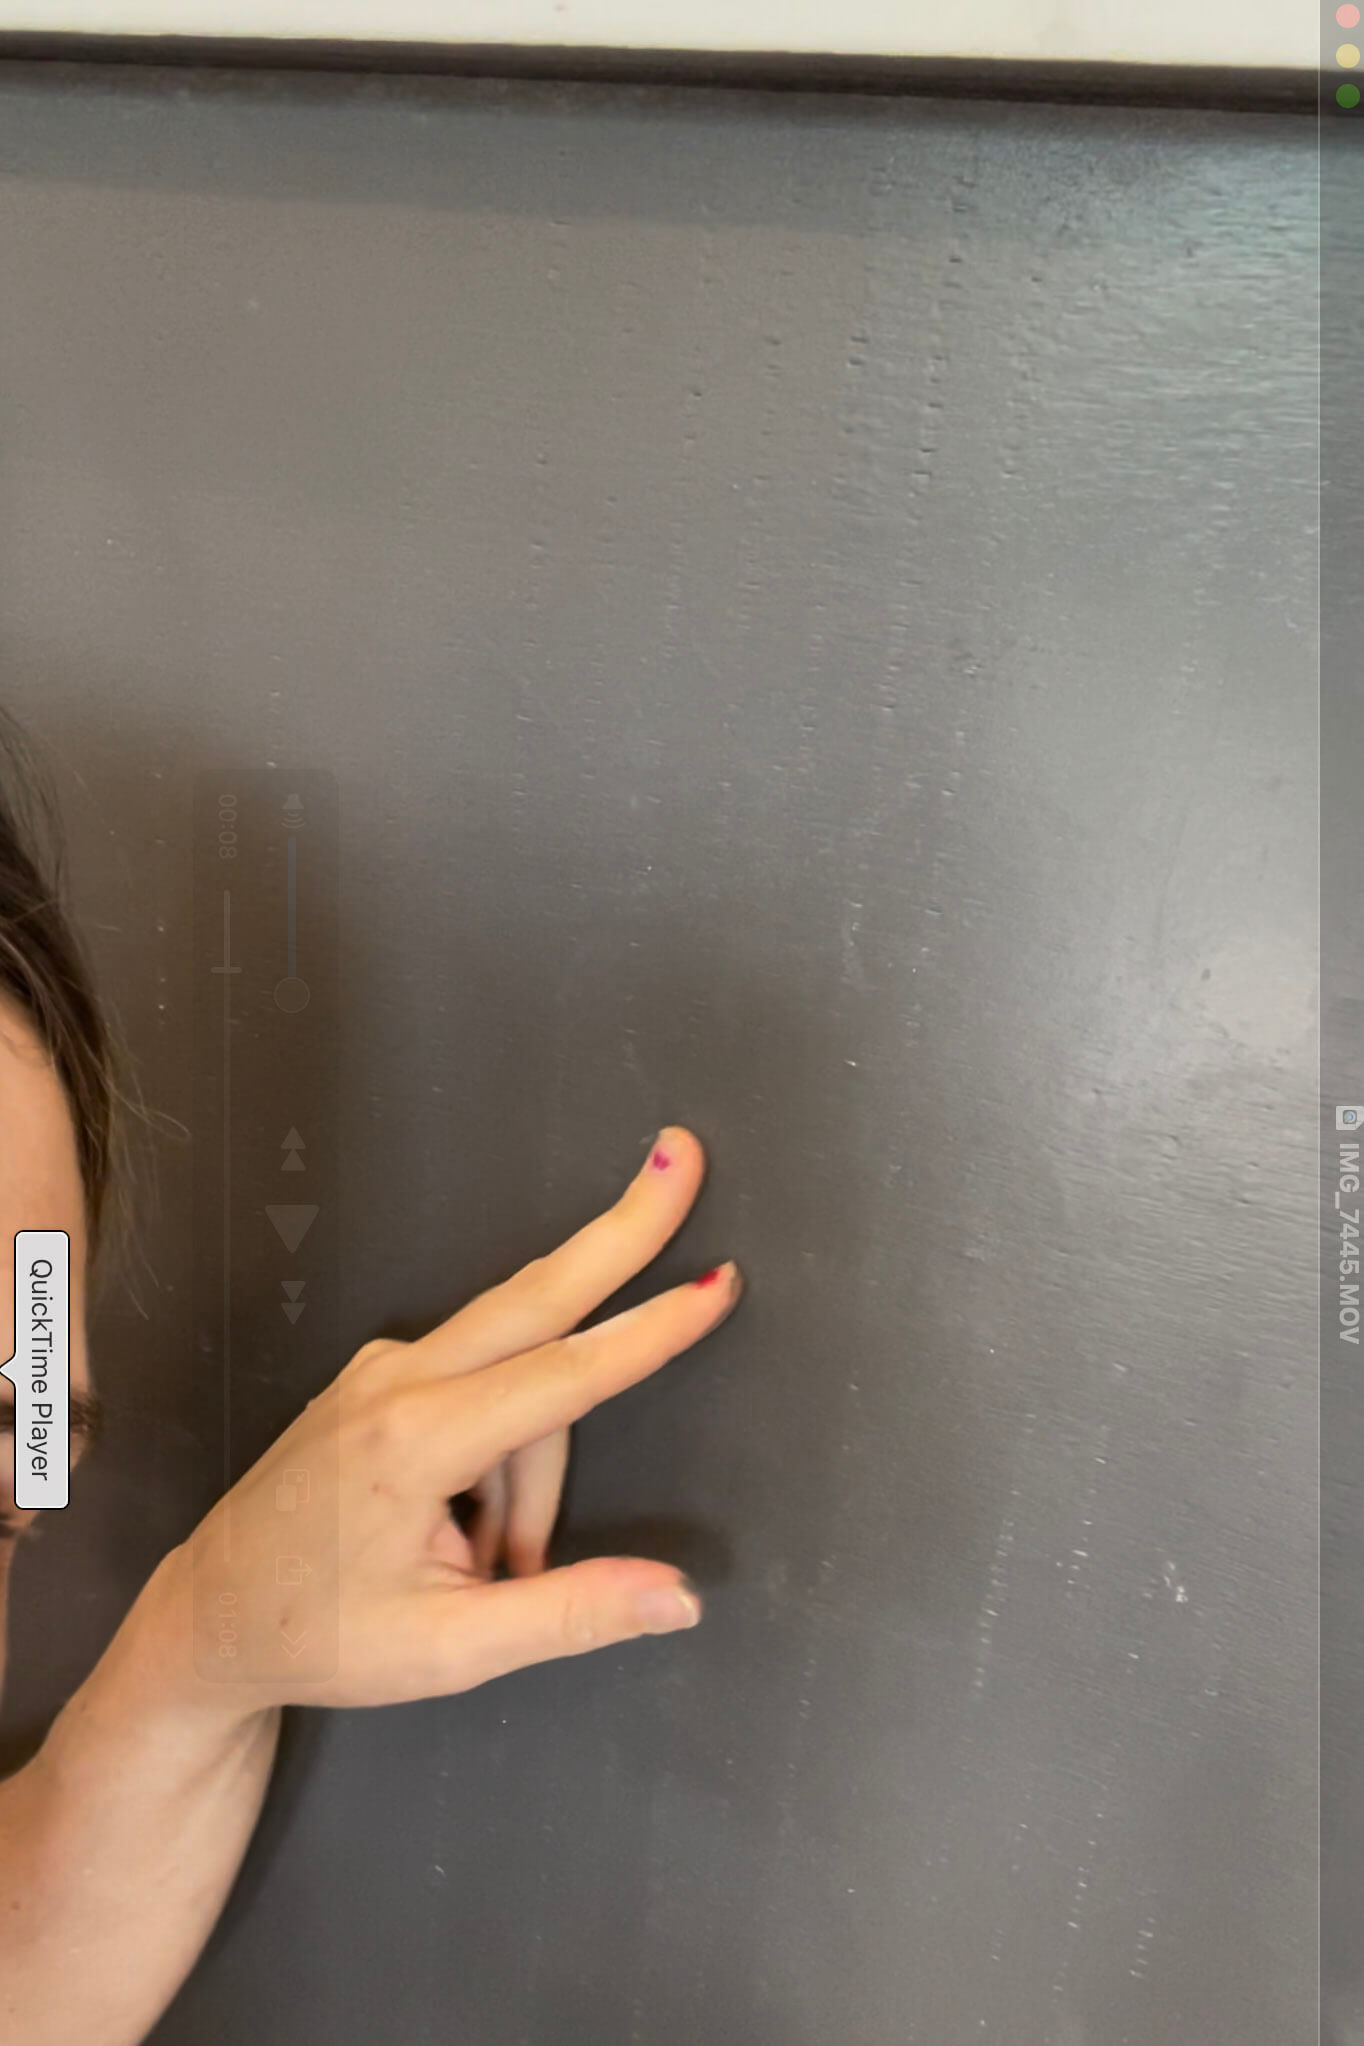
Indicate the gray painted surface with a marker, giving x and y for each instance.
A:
(810, 608)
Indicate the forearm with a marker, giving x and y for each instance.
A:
(120, 1840)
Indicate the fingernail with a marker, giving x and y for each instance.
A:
(659, 1158)
(664, 1608)
(716, 1272)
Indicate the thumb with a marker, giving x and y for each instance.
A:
(502, 1627)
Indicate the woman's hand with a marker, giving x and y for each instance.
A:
(353, 1584)
(333, 1574)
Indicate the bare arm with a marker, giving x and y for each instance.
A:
(120, 1840)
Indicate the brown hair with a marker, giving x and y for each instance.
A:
(44, 966)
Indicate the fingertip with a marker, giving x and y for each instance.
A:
(673, 1148)
(668, 1608)
(724, 1283)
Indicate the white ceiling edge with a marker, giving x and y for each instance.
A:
(1193, 32)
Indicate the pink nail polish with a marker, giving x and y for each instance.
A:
(709, 1278)
(660, 1161)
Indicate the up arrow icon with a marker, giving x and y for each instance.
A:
(292, 1223)
(291, 1147)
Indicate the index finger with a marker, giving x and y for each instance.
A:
(551, 1295)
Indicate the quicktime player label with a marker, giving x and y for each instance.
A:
(40, 1368)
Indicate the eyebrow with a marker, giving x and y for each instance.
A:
(87, 1411)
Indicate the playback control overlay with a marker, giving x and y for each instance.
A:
(266, 1216)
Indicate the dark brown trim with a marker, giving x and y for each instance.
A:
(1233, 87)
